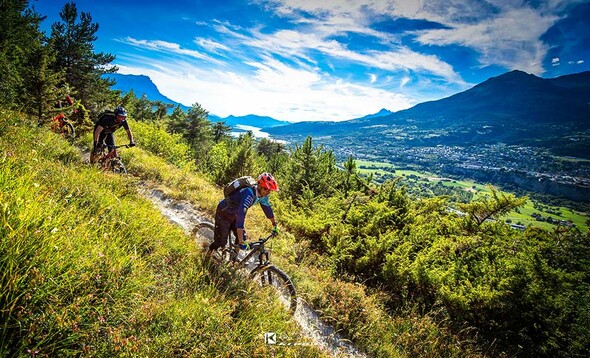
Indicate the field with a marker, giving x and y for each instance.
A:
(531, 214)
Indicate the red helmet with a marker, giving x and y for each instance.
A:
(267, 181)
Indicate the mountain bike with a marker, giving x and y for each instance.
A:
(63, 126)
(256, 261)
(109, 160)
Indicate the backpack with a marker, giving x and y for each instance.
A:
(238, 184)
(105, 113)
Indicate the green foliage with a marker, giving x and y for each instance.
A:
(144, 109)
(196, 130)
(220, 131)
(269, 148)
(241, 161)
(155, 139)
(310, 167)
(487, 207)
(218, 162)
(514, 289)
(72, 41)
(20, 53)
(88, 267)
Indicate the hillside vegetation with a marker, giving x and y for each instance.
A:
(89, 267)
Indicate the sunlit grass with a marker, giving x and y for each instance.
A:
(90, 267)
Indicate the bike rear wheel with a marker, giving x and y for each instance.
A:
(272, 276)
(204, 234)
(68, 131)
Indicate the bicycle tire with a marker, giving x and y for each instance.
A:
(68, 131)
(270, 275)
(116, 166)
(204, 232)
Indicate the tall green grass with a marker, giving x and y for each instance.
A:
(155, 298)
(350, 308)
(88, 267)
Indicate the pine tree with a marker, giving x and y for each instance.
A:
(143, 109)
(20, 45)
(220, 131)
(161, 110)
(72, 40)
(269, 148)
(42, 85)
(242, 161)
(196, 130)
(311, 168)
(178, 114)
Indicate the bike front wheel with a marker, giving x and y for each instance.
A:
(272, 276)
(116, 166)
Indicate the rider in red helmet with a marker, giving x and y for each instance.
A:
(231, 211)
(268, 182)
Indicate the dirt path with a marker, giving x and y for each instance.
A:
(322, 335)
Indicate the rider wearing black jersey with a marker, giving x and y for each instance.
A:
(104, 128)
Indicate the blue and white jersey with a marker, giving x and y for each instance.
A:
(241, 201)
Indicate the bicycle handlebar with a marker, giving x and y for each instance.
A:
(104, 146)
(259, 241)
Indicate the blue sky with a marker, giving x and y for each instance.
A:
(332, 60)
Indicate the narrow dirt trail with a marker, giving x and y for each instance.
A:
(322, 335)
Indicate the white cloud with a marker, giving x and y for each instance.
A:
(580, 62)
(275, 90)
(372, 78)
(510, 40)
(290, 43)
(211, 45)
(404, 81)
(168, 48)
(503, 32)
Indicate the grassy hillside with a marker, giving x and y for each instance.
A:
(89, 267)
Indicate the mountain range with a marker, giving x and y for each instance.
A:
(143, 85)
(513, 108)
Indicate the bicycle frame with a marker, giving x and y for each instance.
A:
(60, 120)
(107, 155)
(263, 271)
(257, 248)
(111, 152)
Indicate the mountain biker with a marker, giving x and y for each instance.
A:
(61, 105)
(104, 128)
(231, 211)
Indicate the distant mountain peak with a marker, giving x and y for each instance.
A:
(381, 113)
(515, 107)
(141, 84)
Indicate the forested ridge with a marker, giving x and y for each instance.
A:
(88, 268)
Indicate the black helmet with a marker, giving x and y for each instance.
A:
(120, 111)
